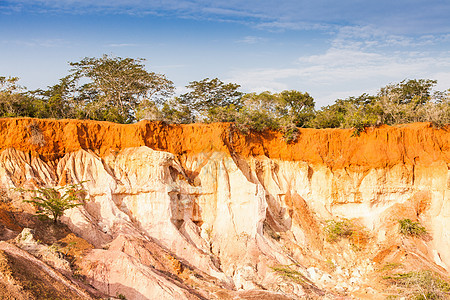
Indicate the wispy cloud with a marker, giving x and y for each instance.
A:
(398, 16)
(120, 45)
(363, 44)
(357, 60)
(276, 26)
(42, 43)
(370, 37)
(252, 40)
(327, 81)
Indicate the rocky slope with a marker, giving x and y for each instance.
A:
(204, 212)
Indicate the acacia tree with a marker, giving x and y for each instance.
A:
(116, 87)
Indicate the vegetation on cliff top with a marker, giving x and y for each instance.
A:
(121, 90)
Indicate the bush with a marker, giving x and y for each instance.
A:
(289, 273)
(410, 228)
(335, 230)
(52, 202)
(420, 285)
(121, 297)
(255, 120)
(290, 133)
(36, 135)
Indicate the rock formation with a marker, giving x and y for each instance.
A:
(205, 212)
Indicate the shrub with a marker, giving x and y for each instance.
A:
(52, 202)
(290, 134)
(287, 272)
(335, 230)
(36, 135)
(121, 297)
(410, 228)
(420, 285)
(258, 121)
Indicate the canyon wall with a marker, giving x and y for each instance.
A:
(238, 210)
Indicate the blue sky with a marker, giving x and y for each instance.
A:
(330, 49)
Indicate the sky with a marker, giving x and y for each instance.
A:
(330, 49)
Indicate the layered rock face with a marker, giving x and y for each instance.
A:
(205, 212)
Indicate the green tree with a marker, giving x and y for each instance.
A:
(266, 102)
(298, 106)
(408, 101)
(14, 101)
(52, 202)
(331, 116)
(283, 111)
(405, 102)
(116, 87)
(212, 100)
(58, 101)
(409, 90)
(259, 112)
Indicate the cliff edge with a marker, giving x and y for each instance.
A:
(202, 211)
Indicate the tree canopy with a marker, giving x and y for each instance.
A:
(116, 87)
(121, 90)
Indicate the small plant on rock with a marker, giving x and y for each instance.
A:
(52, 202)
(287, 272)
(121, 297)
(36, 135)
(420, 285)
(335, 230)
(410, 228)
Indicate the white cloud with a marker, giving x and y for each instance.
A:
(397, 16)
(252, 40)
(280, 25)
(356, 62)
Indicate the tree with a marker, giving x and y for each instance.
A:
(116, 87)
(9, 84)
(14, 102)
(411, 90)
(405, 102)
(259, 112)
(208, 97)
(177, 111)
(265, 101)
(53, 202)
(58, 101)
(298, 106)
(279, 111)
(331, 116)
(353, 112)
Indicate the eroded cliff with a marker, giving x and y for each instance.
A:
(203, 211)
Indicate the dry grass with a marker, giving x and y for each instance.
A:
(36, 135)
(410, 228)
(419, 285)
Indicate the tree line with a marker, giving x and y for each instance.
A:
(121, 90)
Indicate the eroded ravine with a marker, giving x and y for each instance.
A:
(204, 211)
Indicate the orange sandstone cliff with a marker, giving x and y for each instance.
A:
(336, 148)
(205, 212)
